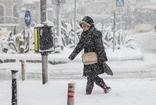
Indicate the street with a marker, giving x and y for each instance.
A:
(146, 41)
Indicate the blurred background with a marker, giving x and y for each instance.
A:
(135, 16)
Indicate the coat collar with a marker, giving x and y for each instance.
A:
(89, 31)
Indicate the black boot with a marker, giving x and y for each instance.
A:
(107, 89)
(89, 89)
(102, 84)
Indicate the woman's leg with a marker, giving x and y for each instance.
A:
(90, 85)
(100, 82)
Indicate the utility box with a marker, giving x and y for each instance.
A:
(44, 39)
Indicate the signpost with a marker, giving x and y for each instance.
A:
(119, 3)
(114, 29)
(27, 18)
(75, 24)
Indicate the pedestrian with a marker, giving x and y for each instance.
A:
(91, 41)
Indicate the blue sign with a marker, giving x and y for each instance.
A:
(120, 3)
(27, 18)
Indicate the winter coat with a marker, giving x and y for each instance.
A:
(91, 41)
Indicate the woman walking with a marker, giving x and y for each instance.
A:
(91, 41)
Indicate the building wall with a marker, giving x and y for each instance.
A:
(1, 13)
(13, 12)
(8, 19)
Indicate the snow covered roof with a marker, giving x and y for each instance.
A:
(30, 1)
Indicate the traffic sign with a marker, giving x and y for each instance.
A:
(27, 18)
(119, 3)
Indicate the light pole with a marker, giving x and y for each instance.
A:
(75, 23)
(114, 29)
(59, 20)
(43, 4)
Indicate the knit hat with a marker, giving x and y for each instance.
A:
(87, 20)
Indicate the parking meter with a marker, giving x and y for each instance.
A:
(44, 39)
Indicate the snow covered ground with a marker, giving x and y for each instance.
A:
(124, 92)
(133, 83)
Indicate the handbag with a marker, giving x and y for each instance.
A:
(89, 58)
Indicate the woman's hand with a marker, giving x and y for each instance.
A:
(70, 59)
(104, 61)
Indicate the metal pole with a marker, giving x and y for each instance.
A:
(44, 55)
(24, 32)
(71, 91)
(44, 68)
(114, 33)
(14, 86)
(43, 4)
(23, 69)
(59, 21)
(28, 39)
(120, 25)
(75, 24)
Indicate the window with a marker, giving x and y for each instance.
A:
(15, 13)
(1, 14)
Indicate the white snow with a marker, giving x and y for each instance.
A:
(117, 55)
(124, 92)
(133, 83)
(129, 85)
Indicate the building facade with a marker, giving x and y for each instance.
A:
(12, 13)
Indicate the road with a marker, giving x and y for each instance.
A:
(146, 41)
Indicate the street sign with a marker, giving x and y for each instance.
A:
(119, 3)
(56, 2)
(27, 18)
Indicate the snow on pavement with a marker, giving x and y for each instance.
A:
(124, 92)
(133, 82)
(74, 69)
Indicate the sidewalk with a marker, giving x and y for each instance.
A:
(117, 55)
(124, 92)
(125, 64)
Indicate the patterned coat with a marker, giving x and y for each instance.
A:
(91, 41)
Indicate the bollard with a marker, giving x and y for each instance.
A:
(71, 91)
(23, 69)
(14, 86)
